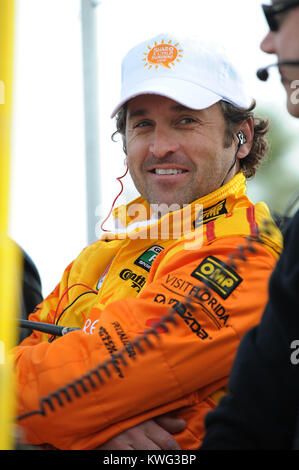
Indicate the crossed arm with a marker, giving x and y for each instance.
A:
(197, 353)
(153, 434)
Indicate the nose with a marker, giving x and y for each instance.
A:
(163, 142)
(268, 44)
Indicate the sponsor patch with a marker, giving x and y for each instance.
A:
(192, 323)
(187, 316)
(111, 348)
(124, 339)
(165, 54)
(137, 281)
(147, 258)
(217, 275)
(210, 213)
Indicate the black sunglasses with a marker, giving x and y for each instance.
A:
(272, 12)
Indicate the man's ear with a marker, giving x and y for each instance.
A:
(245, 139)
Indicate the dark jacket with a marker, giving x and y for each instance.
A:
(31, 294)
(261, 411)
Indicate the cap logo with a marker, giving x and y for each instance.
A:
(163, 54)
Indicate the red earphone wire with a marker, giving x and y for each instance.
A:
(122, 187)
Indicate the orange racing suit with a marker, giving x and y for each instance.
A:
(118, 288)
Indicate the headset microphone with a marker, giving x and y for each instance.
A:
(263, 73)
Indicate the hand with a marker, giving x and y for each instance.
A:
(154, 434)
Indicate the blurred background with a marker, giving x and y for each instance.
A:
(49, 193)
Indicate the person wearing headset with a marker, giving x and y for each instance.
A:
(261, 410)
(192, 243)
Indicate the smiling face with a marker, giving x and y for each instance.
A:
(285, 44)
(175, 154)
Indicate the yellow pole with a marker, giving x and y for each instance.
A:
(9, 256)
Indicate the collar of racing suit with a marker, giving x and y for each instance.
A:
(138, 217)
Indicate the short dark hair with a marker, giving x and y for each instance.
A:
(233, 116)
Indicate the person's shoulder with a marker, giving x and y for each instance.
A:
(96, 248)
(291, 236)
(268, 230)
(293, 223)
(254, 221)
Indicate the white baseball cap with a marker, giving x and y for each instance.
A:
(186, 70)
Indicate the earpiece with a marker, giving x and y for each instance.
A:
(242, 140)
(242, 137)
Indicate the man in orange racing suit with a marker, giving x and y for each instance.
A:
(191, 139)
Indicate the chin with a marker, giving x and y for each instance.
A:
(169, 203)
(166, 206)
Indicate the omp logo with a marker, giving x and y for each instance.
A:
(217, 275)
(210, 213)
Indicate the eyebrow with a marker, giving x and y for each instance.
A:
(137, 113)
